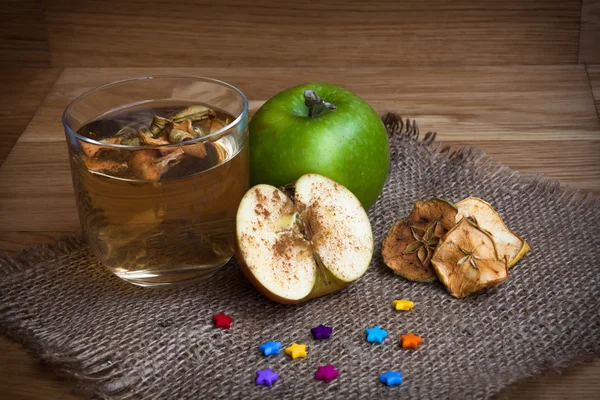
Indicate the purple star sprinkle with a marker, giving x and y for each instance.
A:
(321, 332)
(266, 377)
(326, 373)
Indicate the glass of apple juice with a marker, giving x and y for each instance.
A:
(159, 166)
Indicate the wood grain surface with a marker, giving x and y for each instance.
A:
(460, 103)
(24, 90)
(23, 41)
(594, 77)
(13, 242)
(462, 68)
(23, 378)
(333, 33)
(535, 118)
(589, 37)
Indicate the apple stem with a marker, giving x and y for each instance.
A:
(312, 101)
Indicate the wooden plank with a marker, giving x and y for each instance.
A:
(29, 189)
(579, 382)
(24, 89)
(594, 76)
(573, 163)
(24, 379)
(12, 243)
(589, 37)
(491, 103)
(23, 41)
(537, 119)
(330, 32)
(35, 179)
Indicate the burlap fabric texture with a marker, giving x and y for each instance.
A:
(121, 341)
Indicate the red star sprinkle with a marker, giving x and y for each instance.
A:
(222, 321)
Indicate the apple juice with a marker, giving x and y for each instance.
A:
(158, 216)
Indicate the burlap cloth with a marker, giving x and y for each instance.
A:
(121, 341)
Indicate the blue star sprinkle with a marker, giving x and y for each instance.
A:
(269, 348)
(321, 332)
(376, 334)
(391, 378)
(266, 377)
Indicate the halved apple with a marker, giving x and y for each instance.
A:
(510, 246)
(313, 242)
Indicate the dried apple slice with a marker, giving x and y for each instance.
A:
(92, 150)
(466, 260)
(509, 245)
(310, 244)
(409, 245)
(106, 166)
(150, 164)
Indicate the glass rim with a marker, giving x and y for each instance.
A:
(206, 138)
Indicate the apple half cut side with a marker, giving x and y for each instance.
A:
(312, 242)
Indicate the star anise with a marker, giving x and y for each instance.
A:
(424, 244)
(469, 257)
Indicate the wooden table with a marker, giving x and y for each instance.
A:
(519, 78)
(538, 119)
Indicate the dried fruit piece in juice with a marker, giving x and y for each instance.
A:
(150, 164)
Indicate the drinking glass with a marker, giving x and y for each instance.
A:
(158, 215)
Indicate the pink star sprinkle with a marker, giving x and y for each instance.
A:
(326, 373)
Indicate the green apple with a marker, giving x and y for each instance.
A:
(322, 129)
(302, 243)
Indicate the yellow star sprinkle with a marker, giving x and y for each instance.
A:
(296, 350)
(403, 305)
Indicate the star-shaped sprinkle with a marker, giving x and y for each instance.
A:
(326, 373)
(296, 350)
(269, 348)
(410, 341)
(376, 334)
(391, 378)
(266, 377)
(402, 305)
(222, 321)
(321, 332)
